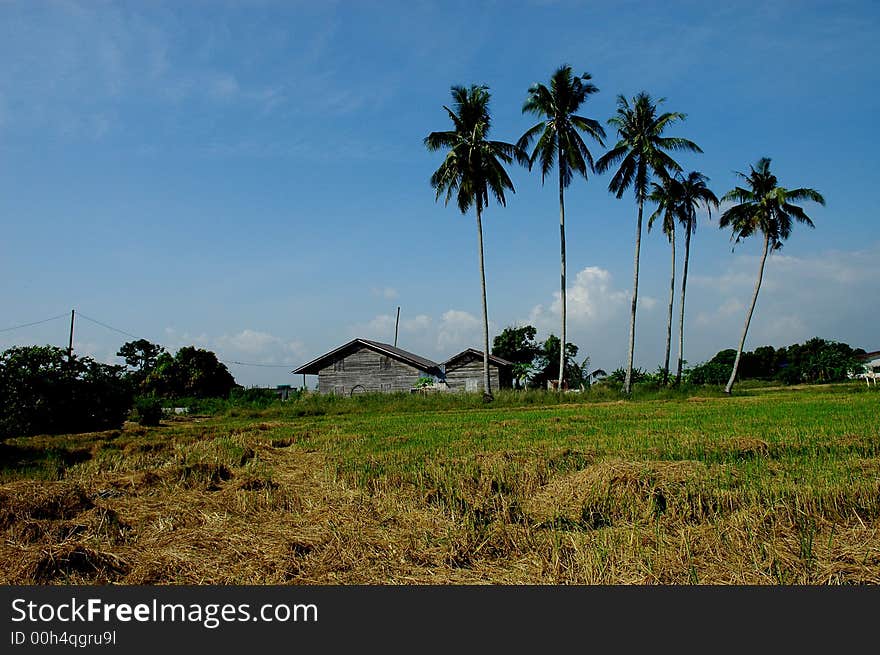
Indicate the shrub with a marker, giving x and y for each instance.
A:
(618, 376)
(710, 373)
(149, 410)
(43, 391)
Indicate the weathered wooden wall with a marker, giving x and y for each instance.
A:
(465, 370)
(374, 372)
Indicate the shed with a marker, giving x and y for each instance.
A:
(365, 366)
(464, 371)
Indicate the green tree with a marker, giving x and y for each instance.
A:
(641, 152)
(693, 193)
(517, 345)
(547, 364)
(666, 196)
(560, 144)
(141, 356)
(472, 170)
(44, 391)
(191, 373)
(763, 207)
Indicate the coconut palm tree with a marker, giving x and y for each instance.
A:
(763, 207)
(692, 193)
(472, 170)
(641, 153)
(560, 144)
(666, 196)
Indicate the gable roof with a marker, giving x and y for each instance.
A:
(498, 361)
(869, 356)
(312, 367)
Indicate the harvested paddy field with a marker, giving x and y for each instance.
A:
(777, 486)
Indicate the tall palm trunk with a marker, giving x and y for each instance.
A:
(627, 385)
(684, 279)
(487, 391)
(562, 278)
(742, 341)
(669, 319)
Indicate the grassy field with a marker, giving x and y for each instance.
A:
(772, 486)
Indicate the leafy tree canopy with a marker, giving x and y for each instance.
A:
(43, 391)
(191, 373)
(140, 355)
(816, 360)
(516, 344)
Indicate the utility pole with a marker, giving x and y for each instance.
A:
(396, 323)
(70, 343)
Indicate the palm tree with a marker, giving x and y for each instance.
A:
(473, 168)
(666, 196)
(767, 208)
(641, 152)
(692, 193)
(561, 145)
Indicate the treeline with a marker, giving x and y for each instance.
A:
(814, 361)
(45, 390)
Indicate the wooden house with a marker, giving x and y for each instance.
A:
(364, 366)
(464, 371)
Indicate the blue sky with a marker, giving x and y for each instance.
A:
(250, 176)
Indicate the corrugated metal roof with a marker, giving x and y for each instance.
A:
(498, 361)
(312, 367)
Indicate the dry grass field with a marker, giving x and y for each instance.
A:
(778, 486)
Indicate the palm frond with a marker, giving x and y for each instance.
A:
(474, 165)
(798, 195)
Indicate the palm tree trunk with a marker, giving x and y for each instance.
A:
(487, 391)
(742, 341)
(562, 278)
(627, 385)
(669, 319)
(684, 279)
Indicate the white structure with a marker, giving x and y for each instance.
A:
(871, 362)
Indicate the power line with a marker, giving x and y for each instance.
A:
(225, 361)
(109, 327)
(24, 325)
(133, 336)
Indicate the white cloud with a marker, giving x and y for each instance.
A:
(223, 86)
(830, 295)
(437, 339)
(249, 345)
(590, 301)
(458, 330)
(389, 293)
(421, 323)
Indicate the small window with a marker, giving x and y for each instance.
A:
(339, 365)
(384, 363)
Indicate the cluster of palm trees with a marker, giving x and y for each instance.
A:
(474, 169)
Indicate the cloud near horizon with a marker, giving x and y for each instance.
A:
(830, 296)
(250, 345)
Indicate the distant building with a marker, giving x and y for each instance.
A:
(364, 366)
(871, 361)
(464, 371)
